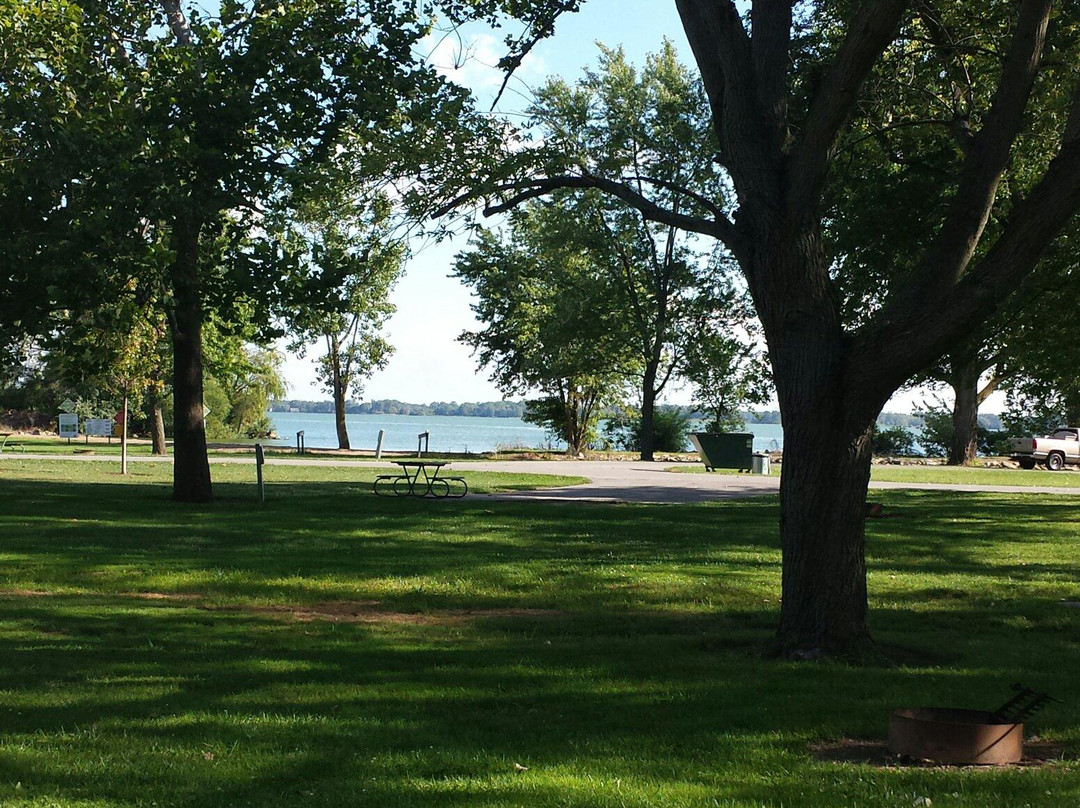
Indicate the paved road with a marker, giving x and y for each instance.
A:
(609, 480)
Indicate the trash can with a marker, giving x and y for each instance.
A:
(760, 464)
(724, 450)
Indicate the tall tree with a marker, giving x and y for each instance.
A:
(551, 321)
(354, 254)
(785, 85)
(654, 126)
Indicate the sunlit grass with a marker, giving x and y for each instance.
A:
(332, 648)
(942, 475)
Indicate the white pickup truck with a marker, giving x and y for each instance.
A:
(1057, 450)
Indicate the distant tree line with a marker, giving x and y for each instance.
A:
(389, 406)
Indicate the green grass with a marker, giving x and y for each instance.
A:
(945, 475)
(332, 648)
(951, 475)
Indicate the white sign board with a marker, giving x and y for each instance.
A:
(99, 427)
(69, 425)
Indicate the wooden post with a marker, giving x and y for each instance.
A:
(378, 446)
(123, 434)
(259, 460)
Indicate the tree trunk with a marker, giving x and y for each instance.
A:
(339, 417)
(822, 521)
(1072, 409)
(124, 435)
(157, 424)
(965, 414)
(648, 413)
(191, 469)
(828, 422)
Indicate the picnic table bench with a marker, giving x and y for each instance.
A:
(420, 478)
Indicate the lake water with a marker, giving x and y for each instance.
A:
(448, 433)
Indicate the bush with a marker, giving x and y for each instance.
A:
(894, 442)
(671, 428)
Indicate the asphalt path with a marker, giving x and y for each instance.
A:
(609, 480)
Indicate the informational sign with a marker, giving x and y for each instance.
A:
(67, 406)
(98, 427)
(69, 425)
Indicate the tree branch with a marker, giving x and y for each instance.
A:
(178, 23)
(870, 33)
(770, 22)
(721, 228)
(918, 335)
(724, 57)
(990, 387)
(987, 158)
(674, 187)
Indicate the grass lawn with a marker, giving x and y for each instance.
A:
(332, 648)
(951, 475)
(946, 475)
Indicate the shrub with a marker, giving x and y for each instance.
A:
(893, 441)
(671, 428)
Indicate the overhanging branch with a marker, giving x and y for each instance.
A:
(987, 158)
(720, 228)
(869, 34)
(917, 335)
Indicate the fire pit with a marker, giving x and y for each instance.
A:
(945, 735)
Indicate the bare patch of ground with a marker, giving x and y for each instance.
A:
(372, 612)
(337, 611)
(876, 753)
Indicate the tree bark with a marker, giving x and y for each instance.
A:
(157, 424)
(822, 521)
(965, 415)
(648, 413)
(828, 421)
(339, 417)
(337, 380)
(191, 469)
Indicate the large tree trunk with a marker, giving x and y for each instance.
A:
(157, 424)
(965, 415)
(828, 423)
(648, 413)
(822, 518)
(191, 469)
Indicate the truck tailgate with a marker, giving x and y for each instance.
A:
(1022, 445)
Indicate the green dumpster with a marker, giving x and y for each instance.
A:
(724, 450)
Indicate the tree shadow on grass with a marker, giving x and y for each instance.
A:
(113, 697)
(113, 701)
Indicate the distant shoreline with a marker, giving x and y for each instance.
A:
(516, 409)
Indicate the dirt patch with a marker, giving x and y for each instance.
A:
(175, 596)
(876, 753)
(372, 612)
(24, 593)
(338, 611)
